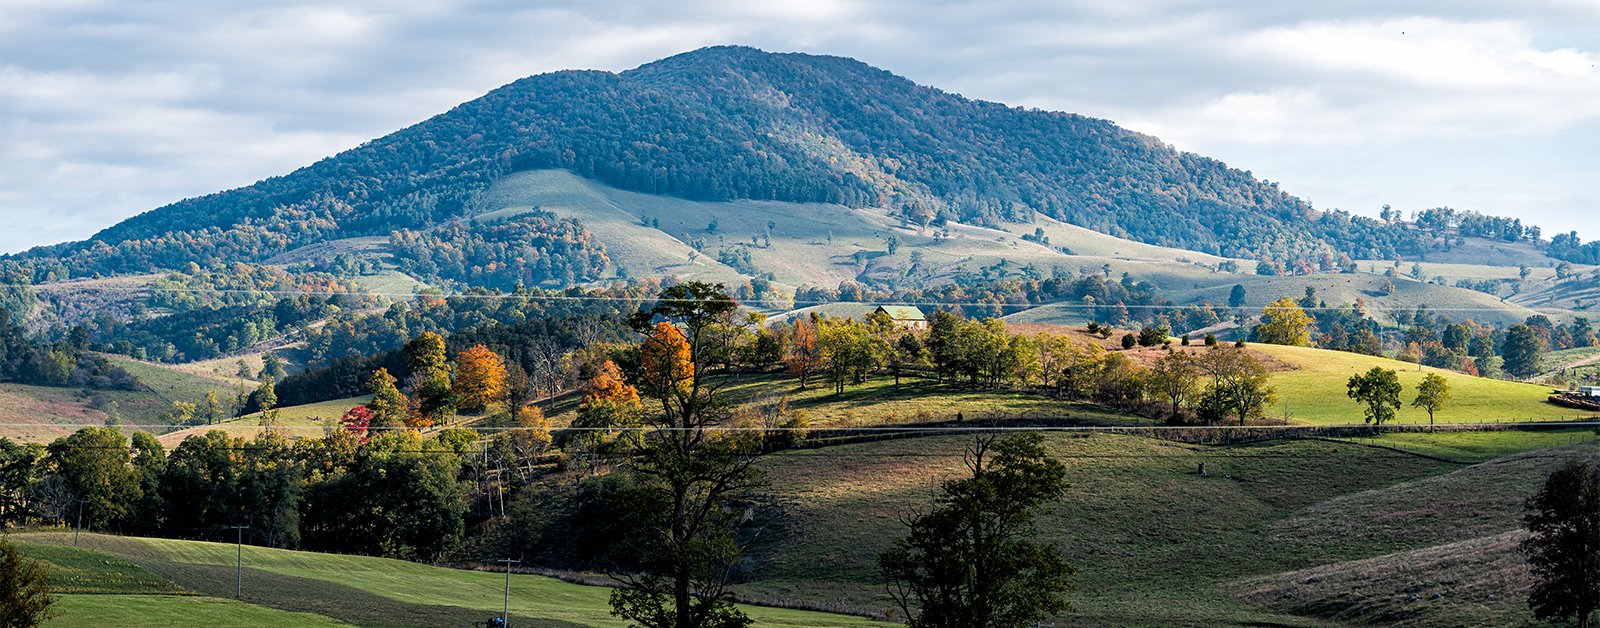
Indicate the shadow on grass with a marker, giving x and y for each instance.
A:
(330, 599)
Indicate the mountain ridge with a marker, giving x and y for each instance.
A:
(726, 123)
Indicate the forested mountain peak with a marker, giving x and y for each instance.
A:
(727, 123)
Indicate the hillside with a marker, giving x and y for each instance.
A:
(130, 582)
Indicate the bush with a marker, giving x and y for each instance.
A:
(1128, 341)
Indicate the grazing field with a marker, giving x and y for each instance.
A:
(1315, 392)
(307, 589)
(1153, 541)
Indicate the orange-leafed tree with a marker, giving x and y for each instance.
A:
(666, 361)
(608, 403)
(805, 356)
(480, 378)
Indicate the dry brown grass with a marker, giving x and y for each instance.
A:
(1482, 581)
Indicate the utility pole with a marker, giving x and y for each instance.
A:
(238, 590)
(505, 610)
(79, 529)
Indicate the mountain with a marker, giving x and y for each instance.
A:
(729, 123)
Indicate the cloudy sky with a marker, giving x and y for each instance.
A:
(109, 109)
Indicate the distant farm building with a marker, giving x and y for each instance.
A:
(904, 316)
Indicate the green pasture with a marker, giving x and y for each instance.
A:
(1153, 542)
(152, 611)
(1482, 445)
(1315, 392)
(280, 585)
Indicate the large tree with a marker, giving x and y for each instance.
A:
(1521, 352)
(1239, 385)
(95, 462)
(1284, 323)
(687, 473)
(480, 378)
(974, 561)
(1379, 389)
(1564, 547)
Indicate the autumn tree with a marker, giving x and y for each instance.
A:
(1433, 394)
(480, 378)
(1563, 548)
(356, 421)
(804, 357)
(1284, 323)
(687, 474)
(1379, 389)
(389, 406)
(609, 402)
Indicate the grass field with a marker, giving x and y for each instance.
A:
(310, 420)
(1158, 545)
(1483, 445)
(283, 587)
(1316, 392)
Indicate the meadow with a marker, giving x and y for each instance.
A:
(289, 588)
(1156, 544)
(1314, 392)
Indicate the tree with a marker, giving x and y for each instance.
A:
(1152, 335)
(25, 598)
(1521, 352)
(272, 367)
(687, 473)
(1564, 547)
(1239, 385)
(1432, 394)
(388, 405)
(18, 466)
(429, 380)
(480, 378)
(974, 561)
(1379, 388)
(1284, 323)
(1175, 377)
(1236, 296)
(96, 465)
(803, 358)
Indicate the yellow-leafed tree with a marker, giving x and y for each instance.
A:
(480, 378)
(1284, 323)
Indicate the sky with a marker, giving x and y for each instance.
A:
(110, 109)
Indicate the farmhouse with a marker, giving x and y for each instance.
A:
(904, 316)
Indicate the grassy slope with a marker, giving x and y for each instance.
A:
(1452, 535)
(310, 420)
(1153, 541)
(1316, 392)
(359, 589)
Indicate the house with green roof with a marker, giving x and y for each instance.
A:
(904, 316)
